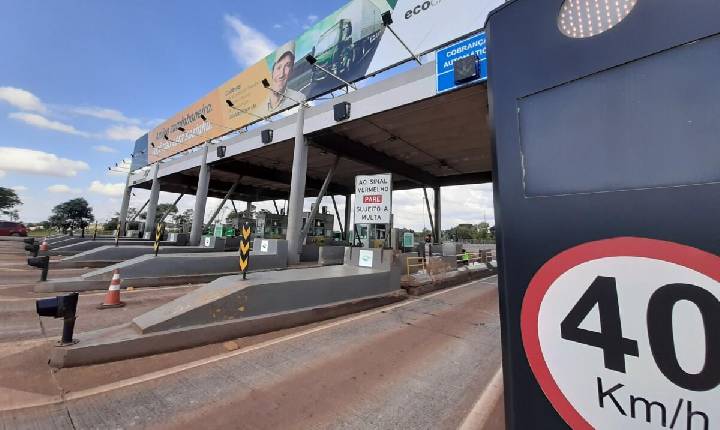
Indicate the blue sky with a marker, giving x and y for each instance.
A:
(81, 80)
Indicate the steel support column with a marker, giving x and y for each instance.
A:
(222, 203)
(348, 211)
(153, 201)
(318, 201)
(139, 211)
(427, 205)
(297, 187)
(337, 214)
(167, 212)
(437, 234)
(200, 199)
(124, 206)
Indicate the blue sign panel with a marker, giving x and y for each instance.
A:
(140, 156)
(445, 58)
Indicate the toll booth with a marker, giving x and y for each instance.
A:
(322, 227)
(274, 226)
(606, 120)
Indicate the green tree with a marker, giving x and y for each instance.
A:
(8, 200)
(72, 214)
(183, 218)
(112, 224)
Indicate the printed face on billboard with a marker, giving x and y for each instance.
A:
(350, 43)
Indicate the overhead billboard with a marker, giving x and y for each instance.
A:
(351, 42)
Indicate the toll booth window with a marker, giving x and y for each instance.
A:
(650, 123)
(587, 18)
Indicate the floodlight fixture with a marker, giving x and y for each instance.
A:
(231, 105)
(205, 119)
(165, 136)
(387, 21)
(313, 62)
(266, 84)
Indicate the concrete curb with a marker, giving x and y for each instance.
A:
(124, 342)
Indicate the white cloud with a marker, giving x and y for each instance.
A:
(41, 122)
(111, 190)
(103, 113)
(124, 132)
(155, 122)
(62, 189)
(22, 99)
(2, 173)
(38, 162)
(277, 26)
(104, 148)
(312, 18)
(19, 188)
(247, 44)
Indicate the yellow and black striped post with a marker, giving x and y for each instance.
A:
(245, 249)
(117, 236)
(159, 229)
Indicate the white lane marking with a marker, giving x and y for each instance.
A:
(480, 412)
(210, 360)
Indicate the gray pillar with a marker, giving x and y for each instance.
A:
(348, 211)
(438, 216)
(154, 196)
(124, 206)
(200, 199)
(297, 188)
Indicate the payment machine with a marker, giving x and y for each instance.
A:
(606, 138)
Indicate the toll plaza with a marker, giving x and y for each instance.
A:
(606, 138)
(595, 123)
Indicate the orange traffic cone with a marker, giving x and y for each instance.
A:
(44, 245)
(112, 298)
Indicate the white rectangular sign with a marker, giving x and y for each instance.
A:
(373, 199)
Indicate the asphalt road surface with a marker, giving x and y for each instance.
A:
(425, 363)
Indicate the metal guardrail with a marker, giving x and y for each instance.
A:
(485, 256)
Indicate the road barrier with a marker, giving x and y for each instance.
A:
(159, 230)
(245, 249)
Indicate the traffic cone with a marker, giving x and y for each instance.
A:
(44, 245)
(112, 298)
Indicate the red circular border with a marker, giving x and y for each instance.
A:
(692, 258)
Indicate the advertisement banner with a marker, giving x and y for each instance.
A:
(351, 43)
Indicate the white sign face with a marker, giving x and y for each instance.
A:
(207, 240)
(625, 333)
(373, 199)
(264, 246)
(365, 259)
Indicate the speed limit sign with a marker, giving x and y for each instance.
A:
(625, 333)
